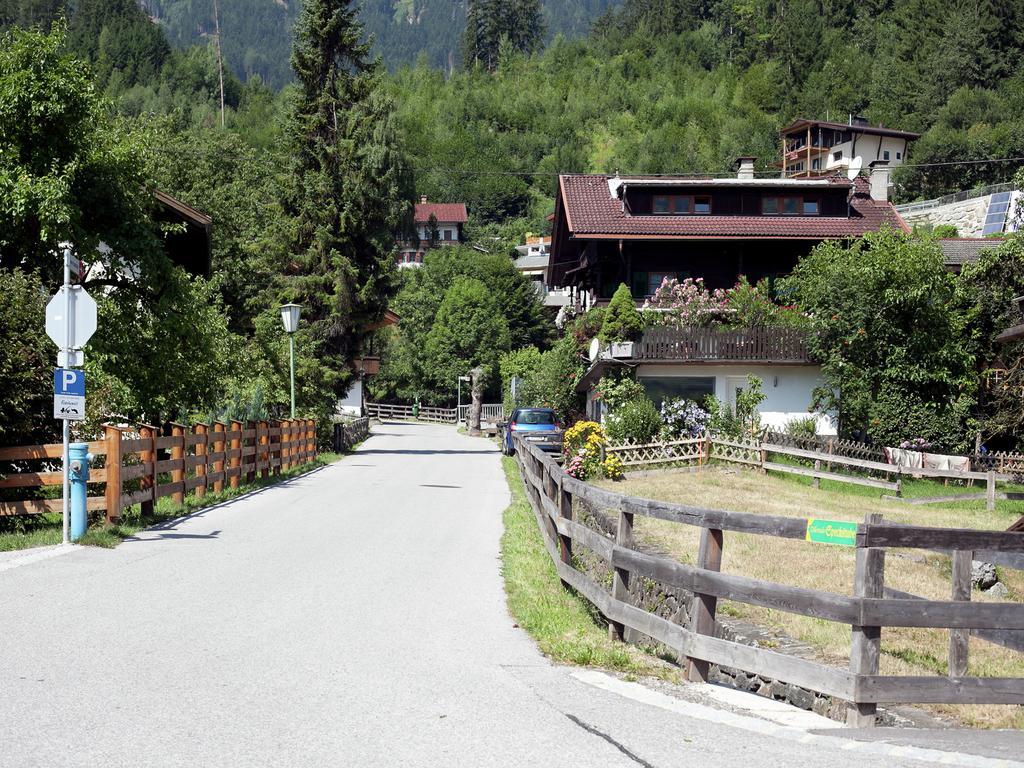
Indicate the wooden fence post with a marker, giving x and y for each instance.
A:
(959, 639)
(202, 431)
(831, 448)
(702, 614)
(219, 428)
(565, 512)
(817, 480)
(148, 456)
(620, 576)
(865, 648)
(263, 448)
(312, 438)
(235, 462)
(112, 493)
(178, 455)
(276, 446)
(990, 490)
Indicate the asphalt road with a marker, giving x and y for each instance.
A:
(353, 616)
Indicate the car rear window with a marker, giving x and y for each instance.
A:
(535, 417)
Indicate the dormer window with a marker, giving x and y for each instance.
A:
(681, 205)
(789, 205)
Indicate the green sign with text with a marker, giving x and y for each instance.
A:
(832, 532)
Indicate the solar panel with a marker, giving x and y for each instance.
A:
(995, 217)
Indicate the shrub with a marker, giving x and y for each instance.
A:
(684, 304)
(744, 421)
(618, 387)
(612, 468)
(684, 418)
(804, 426)
(637, 421)
(583, 448)
(622, 321)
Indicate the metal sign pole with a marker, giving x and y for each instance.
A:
(67, 361)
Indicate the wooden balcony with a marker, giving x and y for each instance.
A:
(747, 345)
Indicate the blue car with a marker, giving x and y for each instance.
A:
(536, 425)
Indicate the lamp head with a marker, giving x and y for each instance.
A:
(290, 317)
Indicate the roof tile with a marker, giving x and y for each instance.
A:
(591, 210)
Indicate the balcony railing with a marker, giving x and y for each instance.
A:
(768, 345)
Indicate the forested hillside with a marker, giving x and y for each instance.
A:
(257, 33)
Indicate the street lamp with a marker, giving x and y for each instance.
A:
(458, 400)
(290, 318)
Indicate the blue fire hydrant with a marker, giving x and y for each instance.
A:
(78, 474)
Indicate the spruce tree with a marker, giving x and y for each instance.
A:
(488, 22)
(349, 188)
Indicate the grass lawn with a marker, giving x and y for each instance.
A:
(566, 627)
(44, 530)
(905, 651)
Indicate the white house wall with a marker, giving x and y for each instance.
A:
(788, 389)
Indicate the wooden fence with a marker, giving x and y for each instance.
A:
(154, 464)
(389, 412)
(491, 412)
(819, 465)
(349, 432)
(552, 494)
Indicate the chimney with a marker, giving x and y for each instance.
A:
(879, 180)
(423, 198)
(745, 166)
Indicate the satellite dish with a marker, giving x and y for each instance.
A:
(595, 349)
(855, 166)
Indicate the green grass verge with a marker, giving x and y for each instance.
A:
(565, 626)
(45, 530)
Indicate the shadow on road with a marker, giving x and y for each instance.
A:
(164, 536)
(424, 451)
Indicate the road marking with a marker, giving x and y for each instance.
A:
(638, 692)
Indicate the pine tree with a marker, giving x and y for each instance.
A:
(488, 22)
(348, 186)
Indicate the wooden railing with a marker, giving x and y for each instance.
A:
(169, 462)
(389, 412)
(492, 412)
(552, 494)
(348, 433)
(769, 345)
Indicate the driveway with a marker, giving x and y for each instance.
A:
(353, 616)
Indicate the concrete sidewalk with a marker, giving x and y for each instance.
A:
(352, 616)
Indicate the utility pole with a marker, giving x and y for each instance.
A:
(220, 59)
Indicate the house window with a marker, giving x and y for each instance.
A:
(789, 205)
(662, 388)
(885, 155)
(899, 155)
(647, 283)
(837, 156)
(681, 205)
(816, 164)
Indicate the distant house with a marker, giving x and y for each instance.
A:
(436, 224)
(818, 147)
(191, 245)
(532, 262)
(957, 252)
(640, 231)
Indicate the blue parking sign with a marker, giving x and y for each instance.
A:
(67, 381)
(68, 394)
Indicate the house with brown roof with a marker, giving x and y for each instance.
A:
(818, 147)
(641, 231)
(436, 224)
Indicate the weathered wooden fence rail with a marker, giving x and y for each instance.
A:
(389, 412)
(168, 462)
(758, 453)
(552, 494)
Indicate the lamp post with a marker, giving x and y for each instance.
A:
(290, 318)
(458, 400)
